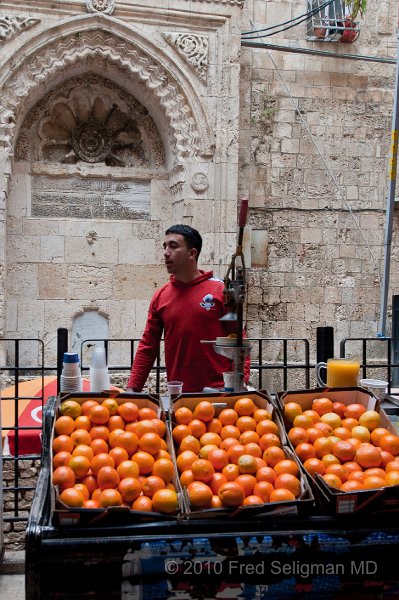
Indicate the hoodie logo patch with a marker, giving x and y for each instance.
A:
(207, 302)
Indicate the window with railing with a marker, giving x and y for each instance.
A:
(330, 21)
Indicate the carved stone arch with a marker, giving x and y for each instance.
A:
(85, 43)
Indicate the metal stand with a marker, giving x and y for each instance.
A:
(238, 355)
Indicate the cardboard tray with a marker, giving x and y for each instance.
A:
(64, 516)
(304, 505)
(330, 500)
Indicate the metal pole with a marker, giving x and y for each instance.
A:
(390, 203)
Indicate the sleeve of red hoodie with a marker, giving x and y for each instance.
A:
(147, 350)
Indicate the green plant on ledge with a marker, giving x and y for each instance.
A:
(356, 7)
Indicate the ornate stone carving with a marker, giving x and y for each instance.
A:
(12, 26)
(199, 182)
(50, 60)
(194, 49)
(104, 6)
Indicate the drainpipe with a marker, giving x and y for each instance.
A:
(390, 203)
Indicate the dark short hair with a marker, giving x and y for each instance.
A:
(191, 236)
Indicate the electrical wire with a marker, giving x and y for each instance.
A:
(291, 22)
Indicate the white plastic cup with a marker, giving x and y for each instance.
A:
(71, 365)
(98, 358)
(99, 379)
(175, 388)
(228, 378)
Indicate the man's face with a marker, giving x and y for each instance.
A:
(176, 254)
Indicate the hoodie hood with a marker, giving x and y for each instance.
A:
(203, 277)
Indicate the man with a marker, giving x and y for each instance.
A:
(185, 310)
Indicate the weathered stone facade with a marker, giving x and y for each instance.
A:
(118, 119)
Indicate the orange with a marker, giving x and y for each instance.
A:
(150, 442)
(377, 434)
(281, 495)
(342, 432)
(179, 432)
(266, 474)
(297, 435)
(101, 460)
(373, 481)
(83, 422)
(218, 458)
(81, 436)
(286, 466)
(185, 460)
(152, 484)
(303, 421)
(83, 450)
(273, 455)
(249, 437)
(216, 481)
(187, 477)
(288, 482)
(204, 451)
(390, 443)
(344, 450)
(128, 441)
(313, 433)
(108, 477)
(111, 404)
(90, 482)
(70, 408)
(205, 411)
(261, 414)
(330, 459)
(351, 486)
(147, 413)
(129, 411)
(231, 471)
(313, 415)
(183, 415)
(87, 405)
(323, 446)
(200, 494)
(64, 425)
(109, 497)
(324, 427)
(247, 481)
(98, 445)
(210, 438)
(354, 410)
(202, 470)
(214, 426)
(82, 488)
(264, 490)
(305, 451)
(197, 427)
(337, 470)
(99, 432)
(72, 497)
(143, 503)
(322, 406)
(266, 426)
(147, 426)
(231, 493)
(64, 477)
(370, 419)
(331, 419)
(144, 460)
(349, 423)
(119, 455)
(314, 465)
(246, 423)
(80, 465)
(229, 442)
(128, 468)
(245, 407)
(292, 410)
(63, 443)
(113, 437)
(351, 467)
(253, 449)
(368, 456)
(252, 500)
(386, 458)
(163, 468)
(375, 471)
(165, 501)
(247, 464)
(228, 416)
(190, 442)
(230, 431)
(332, 480)
(235, 452)
(339, 408)
(99, 415)
(116, 422)
(355, 476)
(356, 443)
(392, 466)
(161, 427)
(269, 439)
(91, 504)
(61, 458)
(392, 478)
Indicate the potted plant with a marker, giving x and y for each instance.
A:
(352, 9)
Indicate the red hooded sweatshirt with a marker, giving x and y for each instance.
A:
(185, 313)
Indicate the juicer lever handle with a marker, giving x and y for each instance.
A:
(242, 218)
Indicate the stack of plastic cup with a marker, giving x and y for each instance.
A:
(99, 376)
(71, 376)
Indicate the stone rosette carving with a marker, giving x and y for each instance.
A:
(193, 48)
(199, 182)
(10, 27)
(103, 6)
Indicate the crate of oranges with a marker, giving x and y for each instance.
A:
(232, 457)
(347, 446)
(113, 454)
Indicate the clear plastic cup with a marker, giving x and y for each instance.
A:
(175, 388)
(228, 378)
(98, 358)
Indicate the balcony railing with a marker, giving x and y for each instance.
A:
(330, 22)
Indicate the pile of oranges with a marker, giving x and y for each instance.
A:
(345, 444)
(232, 457)
(109, 454)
